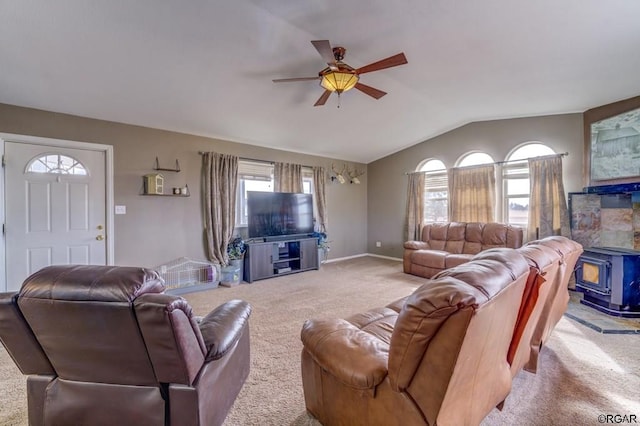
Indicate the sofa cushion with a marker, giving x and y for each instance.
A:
(430, 258)
(377, 322)
(417, 245)
(354, 357)
(456, 259)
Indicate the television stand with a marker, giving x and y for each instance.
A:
(283, 238)
(287, 255)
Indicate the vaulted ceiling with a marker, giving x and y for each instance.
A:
(206, 67)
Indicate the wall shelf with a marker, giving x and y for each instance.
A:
(154, 183)
(167, 195)
(156, 166)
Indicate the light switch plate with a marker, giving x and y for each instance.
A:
(121, 209)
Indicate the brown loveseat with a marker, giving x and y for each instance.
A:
(445, 245)
(104, 345)
(444, 355)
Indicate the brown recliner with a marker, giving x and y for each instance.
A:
(555, 305)
(104, 345)
(438, 356)
(544, 265)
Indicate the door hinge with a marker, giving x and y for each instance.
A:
(3, 161)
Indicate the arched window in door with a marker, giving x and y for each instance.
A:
(58, 164)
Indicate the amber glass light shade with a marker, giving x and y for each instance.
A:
(338, 81)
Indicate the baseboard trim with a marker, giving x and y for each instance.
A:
(398, 259)
(339, 259)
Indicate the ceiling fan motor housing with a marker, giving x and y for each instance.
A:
(338, 53)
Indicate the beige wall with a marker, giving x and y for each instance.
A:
(387, 179)
(159, 229)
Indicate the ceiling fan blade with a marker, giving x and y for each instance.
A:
(371, 91)
(324, 49)
(285, 80)
(391, 61)
(322, 99)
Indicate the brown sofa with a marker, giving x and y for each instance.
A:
(557, 300)
(104, 345)
(446, 354)
(445, 245)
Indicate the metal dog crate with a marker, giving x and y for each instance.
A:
(185, 275)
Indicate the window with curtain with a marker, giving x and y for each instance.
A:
(516, 183)
(258, 176)
(474, 159)
(436, 191)
(472, 189)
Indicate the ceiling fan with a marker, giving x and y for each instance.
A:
(340, 77)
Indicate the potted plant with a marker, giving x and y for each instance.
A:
(235, 250)
(323, 246)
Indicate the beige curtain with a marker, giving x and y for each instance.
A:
(547, 203)
(219, 183)
(287, 177)
(472, 194)
(320, 199)
(415, 206)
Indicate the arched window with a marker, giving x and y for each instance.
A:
(474, 159)
(515, 178)
(436, 191)
(56, 163)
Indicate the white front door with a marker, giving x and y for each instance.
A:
(54, 208)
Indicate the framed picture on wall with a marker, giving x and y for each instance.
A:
(612, 143)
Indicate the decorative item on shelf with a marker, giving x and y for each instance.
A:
(339, 175)
(354, 176)
(184, 191)
(323, 246)
(153, 183)
(156, 166)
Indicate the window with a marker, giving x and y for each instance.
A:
(56, 163)
(258, 176)
(436, 191)
(474, 159)
(515, 177)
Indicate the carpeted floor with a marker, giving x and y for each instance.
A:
(582, 375)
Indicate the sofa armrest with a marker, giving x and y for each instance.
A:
(223, 327)
(354, 357)
(18, 338)
(416, 245)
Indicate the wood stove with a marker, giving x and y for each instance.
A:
(609, 277)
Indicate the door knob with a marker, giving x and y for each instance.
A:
(99, 227)
(100, 237)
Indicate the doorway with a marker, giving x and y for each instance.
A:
(57, 203)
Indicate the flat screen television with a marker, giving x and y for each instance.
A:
(275, 214)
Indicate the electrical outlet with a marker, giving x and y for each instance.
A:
(378, 244)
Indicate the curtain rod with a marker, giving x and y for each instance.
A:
(257, 160)
(245, 158)
(562, 154)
